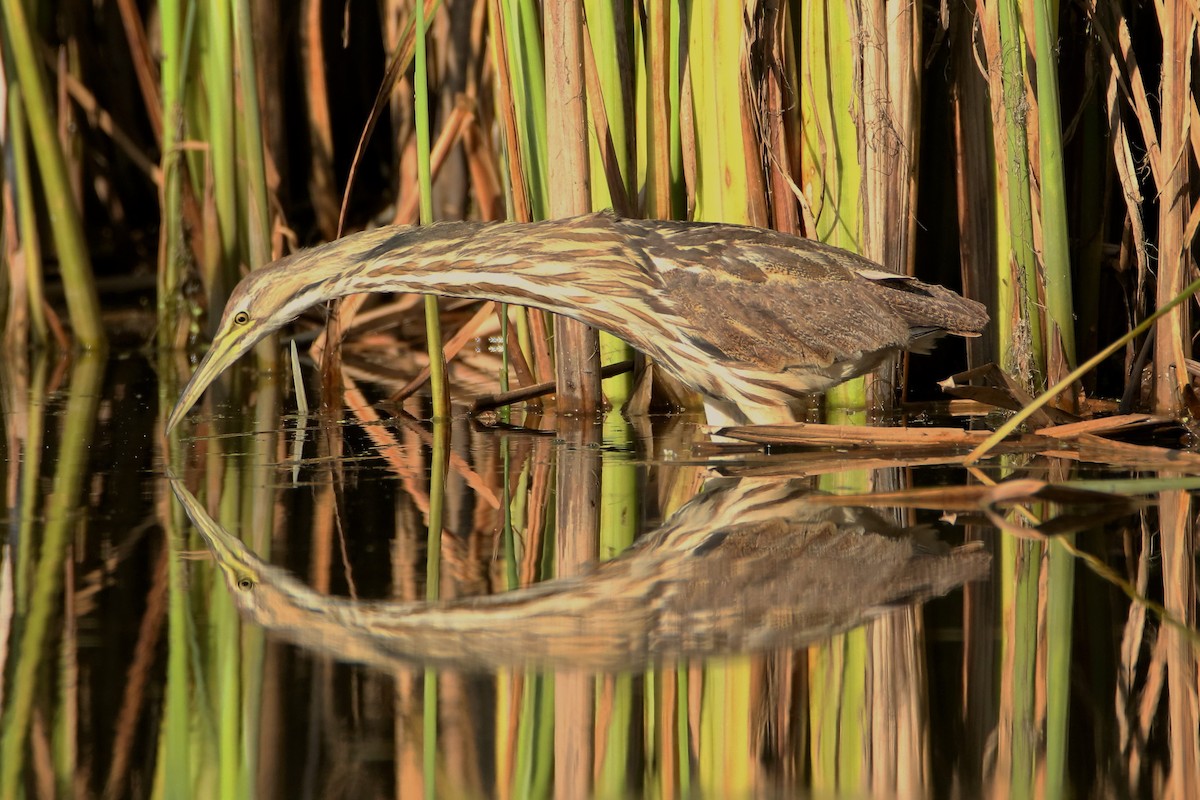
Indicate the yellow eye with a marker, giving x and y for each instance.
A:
(241, 318)
(245, 584)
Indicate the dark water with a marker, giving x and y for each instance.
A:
(612, 610)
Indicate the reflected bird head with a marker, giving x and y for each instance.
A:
(254, 584)
(243, 569)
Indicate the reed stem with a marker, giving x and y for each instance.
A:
(79, 285)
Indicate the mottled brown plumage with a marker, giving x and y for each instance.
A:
(752, 319)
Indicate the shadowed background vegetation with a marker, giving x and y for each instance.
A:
(158, 150)
(1037, 154)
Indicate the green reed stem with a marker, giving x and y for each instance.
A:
(535, 747)
(725, 728)
(683, 739)
(228, 689)
(613, 774)
(175, 741)
(224, 646)
(31, 248)
(1023, 349)
(256, 227)
(1060, 612)
(170, 268)
(523, 47)
(258, 515)
(31, 484)
(830, 160)
(61, 514)
(715, 56)
(615, 88)
(433, 325)
(511, 574)
(439, 462)
(1024, 644)
(218, 71)
(618, 529)
(505, 412)
(173, 756)
(79, 286)
(1056, 237)
(258, 217)
(607, 30)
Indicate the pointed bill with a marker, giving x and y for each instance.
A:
(231, 553)
(224, 351)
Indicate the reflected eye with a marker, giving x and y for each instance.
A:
(245, 584)
(241, 318)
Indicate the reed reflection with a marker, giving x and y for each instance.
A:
(40, 583)
(146, 660)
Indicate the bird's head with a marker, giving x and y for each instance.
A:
(262, 303)
(272, 296)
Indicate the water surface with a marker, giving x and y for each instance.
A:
(613, 609)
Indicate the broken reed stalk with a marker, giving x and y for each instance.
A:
(577, 370)
(1050, 394)
(888, 42)
(322, 184)
(1172, 343)
(576, 348)
(513, 396)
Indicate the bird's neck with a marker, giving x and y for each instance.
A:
(513, 263)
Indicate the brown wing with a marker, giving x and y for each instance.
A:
(785, 302)
(781, 324)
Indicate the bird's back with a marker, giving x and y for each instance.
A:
(786, 303)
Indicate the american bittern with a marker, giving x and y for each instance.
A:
(744, 566)
(752, 319)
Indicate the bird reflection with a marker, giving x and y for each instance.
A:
(746, 566)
